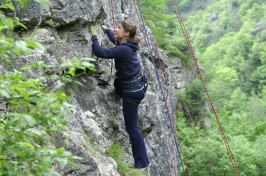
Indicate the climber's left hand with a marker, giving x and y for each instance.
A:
(93, 30)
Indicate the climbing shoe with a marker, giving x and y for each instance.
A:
(142, 168)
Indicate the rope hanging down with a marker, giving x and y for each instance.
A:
(113, 21)
(234, 163)
(162, 78)
(158, 78)
(187, 110)
(166, 92)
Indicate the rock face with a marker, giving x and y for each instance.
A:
(98, 120)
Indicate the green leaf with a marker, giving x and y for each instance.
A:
(63, 162)
(25, 68)
(10, 23)
(66, 153)
(42, 1)
(30, 84)
(29, 119)
(28, 144)
(88, 65)
(74, 164)
(21, 45)
(22, 25)
(62, 96)
(79, 83)
(1, 28)
(4, 22)
(23, 92)
(4, 93)
(60, 150)
(10, 6)
(33, 44)
(87, 59)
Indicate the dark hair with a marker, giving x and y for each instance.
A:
(132, 29)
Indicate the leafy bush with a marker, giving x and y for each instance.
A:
(32, 110)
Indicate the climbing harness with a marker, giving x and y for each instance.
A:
(135, 78)
(130, 100)
(140, 77)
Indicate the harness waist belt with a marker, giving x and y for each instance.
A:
(134, 79)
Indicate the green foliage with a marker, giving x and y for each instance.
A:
(237, 102)
(195, 99)
(235, 3)
(201, 152)
(185, 5)
(231, 52)
(260, 148)
(206, 153)
(257, 66)
(225, 19)
(26, 2)
(245, 9)
(115, 151)
(35, 112)
(165, 27)
(226, 75)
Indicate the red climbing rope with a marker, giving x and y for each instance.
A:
(231, 156)
(186, 108)
(163, 80)
(113, 20)
(163, 93)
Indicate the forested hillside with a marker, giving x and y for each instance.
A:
(229, 39)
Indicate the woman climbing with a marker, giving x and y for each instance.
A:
(130, 82)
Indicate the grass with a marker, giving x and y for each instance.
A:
(116, 152)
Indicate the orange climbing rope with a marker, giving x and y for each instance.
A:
(231, 156)
(187, 110)
(113, 20)
(163, 79)
(138, 12)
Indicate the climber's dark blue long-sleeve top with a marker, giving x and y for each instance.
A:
(127, 62)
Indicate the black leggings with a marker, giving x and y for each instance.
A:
(130, 112)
